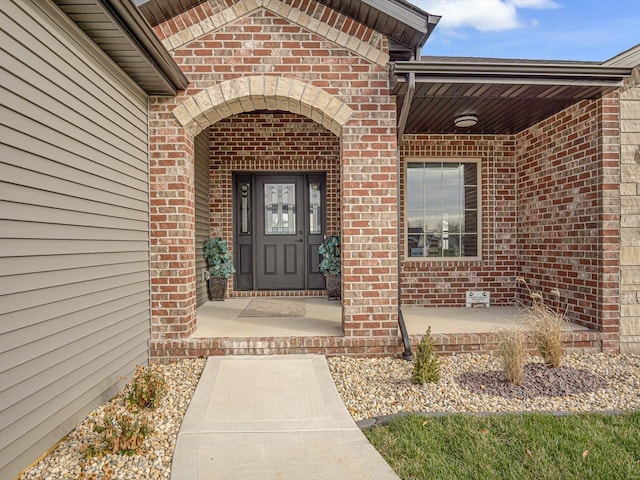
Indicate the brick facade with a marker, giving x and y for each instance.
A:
(301, 58)
(172, 216)
(550, 212)
(445, 283)
(263, 72)
(569, 212)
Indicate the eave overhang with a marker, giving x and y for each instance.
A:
(507, 96)
(407, 26)
(158, 11)
(121, 31)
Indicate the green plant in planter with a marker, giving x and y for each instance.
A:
(330, 265)
(219, 265)
(330, 251)
(219, 262)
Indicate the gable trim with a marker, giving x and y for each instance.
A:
(366, 49)
(628, 58)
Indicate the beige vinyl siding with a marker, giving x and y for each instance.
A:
(74, 229)
(202, 210)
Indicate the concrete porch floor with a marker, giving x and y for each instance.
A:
(303, 325)
(224, 319)
(324, 318)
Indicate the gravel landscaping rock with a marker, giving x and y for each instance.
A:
(475, 383)
(371, 387)
(68, 460)
(539, 381)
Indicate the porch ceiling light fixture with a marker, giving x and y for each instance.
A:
(465, 121)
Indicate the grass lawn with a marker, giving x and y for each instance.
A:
(529, 446)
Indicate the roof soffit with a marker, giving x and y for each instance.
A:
(119, 29)
(403, 23)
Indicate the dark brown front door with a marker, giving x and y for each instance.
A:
(280, 224)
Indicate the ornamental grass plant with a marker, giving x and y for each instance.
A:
(546, 324)
(512, 345)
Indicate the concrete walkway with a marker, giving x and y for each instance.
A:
(272, 417)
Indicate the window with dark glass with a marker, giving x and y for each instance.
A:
(442, 205)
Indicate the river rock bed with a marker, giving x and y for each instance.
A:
(369, 387)
(68, 459)
(373, 387)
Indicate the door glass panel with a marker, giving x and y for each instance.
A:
(245, 209)
(279, 208)
(315, 209)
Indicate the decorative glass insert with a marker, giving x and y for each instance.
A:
(245, 209)
(279, 208)
(315, 208)
(442, 209)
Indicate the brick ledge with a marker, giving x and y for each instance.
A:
(171, 350)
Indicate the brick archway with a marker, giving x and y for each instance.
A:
(261, 92)
(368, 204)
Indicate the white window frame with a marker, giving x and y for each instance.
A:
(423, 259)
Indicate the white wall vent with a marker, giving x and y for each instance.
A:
(478, 298)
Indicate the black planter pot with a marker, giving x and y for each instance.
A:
(217, 288)
(334, 286)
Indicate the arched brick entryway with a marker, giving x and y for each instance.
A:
(368, 203)
(273, 56)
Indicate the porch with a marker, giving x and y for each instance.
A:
(284, 325)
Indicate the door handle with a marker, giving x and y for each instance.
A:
(300, 240)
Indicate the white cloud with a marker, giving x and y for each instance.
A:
(482, 15)
(535, 4)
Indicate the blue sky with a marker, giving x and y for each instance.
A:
(589, 30)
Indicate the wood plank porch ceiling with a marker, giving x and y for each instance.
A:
(507, 96)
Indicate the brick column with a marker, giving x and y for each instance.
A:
(610, 224)
(369, 228)
(172, 206)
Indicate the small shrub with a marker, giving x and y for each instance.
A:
(546, 325)
(426, 367)
(120, 431)
(126, 419)
(146, 388)
(513, 353)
